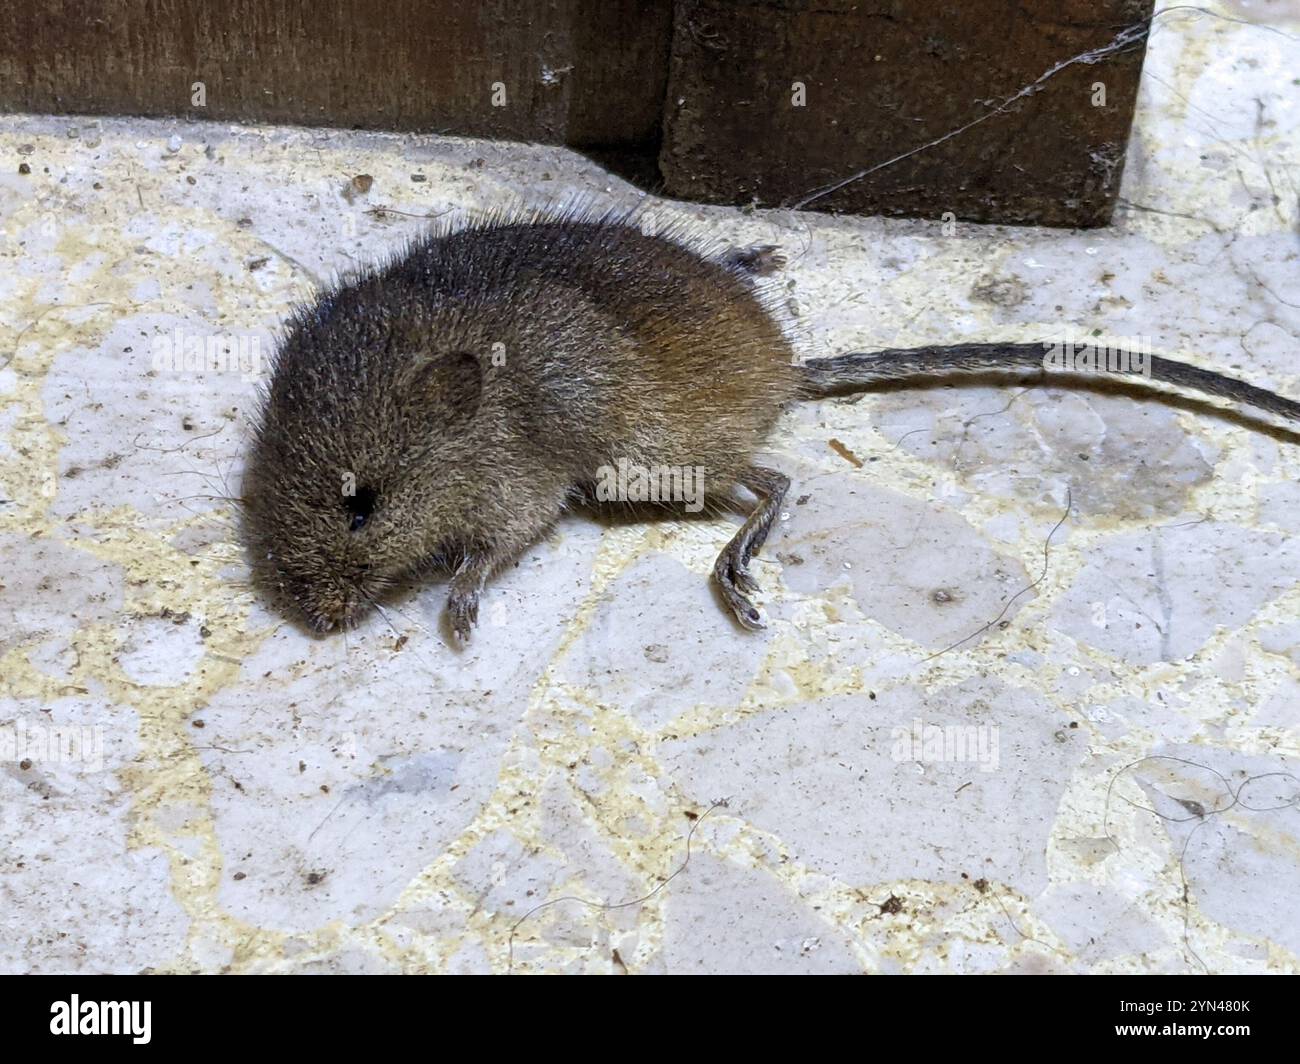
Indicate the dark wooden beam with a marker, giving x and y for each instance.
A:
(882, 78)
(577, 72)
(775, 102)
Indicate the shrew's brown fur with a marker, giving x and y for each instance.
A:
(444, 408)
(468, 389)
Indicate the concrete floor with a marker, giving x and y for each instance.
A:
(244, 798)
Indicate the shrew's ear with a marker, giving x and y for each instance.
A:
(454, 378)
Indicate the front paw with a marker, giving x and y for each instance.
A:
(462, 613)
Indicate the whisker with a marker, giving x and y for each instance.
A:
(383, 613)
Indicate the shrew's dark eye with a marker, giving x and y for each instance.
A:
(360, 505)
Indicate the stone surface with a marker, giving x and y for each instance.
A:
(956, 748)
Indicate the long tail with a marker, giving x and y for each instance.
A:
(856, 372)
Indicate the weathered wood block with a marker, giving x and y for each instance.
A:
(985, 108)
(577, 72)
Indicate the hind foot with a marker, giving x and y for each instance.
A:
(734, 581)
(731, 570)
(761, 260)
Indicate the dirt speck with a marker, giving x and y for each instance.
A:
(357, 186)
(843, 451)
(1000, 291)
